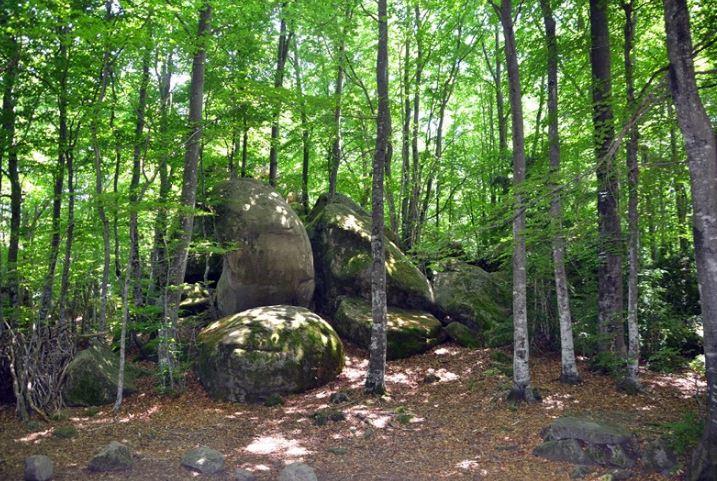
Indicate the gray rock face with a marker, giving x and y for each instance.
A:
(270, 261)
(244, 475)
(113, 457)
(469, 295)
(204, 460)
(584, 441)
(586, 430)
(267, 351)
(92, 377)
(659, 456)
(340, 233)
(408, 332)
(38, 468)
(297, 472)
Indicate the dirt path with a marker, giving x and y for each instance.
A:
(456, 428)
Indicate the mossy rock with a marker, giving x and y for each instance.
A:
(91, 378)
(340, 233)
(265, 351)
(408, 332)
(268, 259)
(467, 294)
(463, 335)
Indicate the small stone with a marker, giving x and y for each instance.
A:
(204, 460)
(430, 378)
(297, 472)
(339, 397)
(113, 457)
(620, 474)
(244, 475)
(38, 468)
(338, 451)
(580, 472)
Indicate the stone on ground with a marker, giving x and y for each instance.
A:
(270, 260)
(297, 472)
(659, 456)
(469, 295)
(587, 430)
(113, 457)
(266, 351)
(243, 475)
(463, 335)
(91, 378)
(38, 468)
(203, 460)
(340, 233)
(408, 332)
(563, 450)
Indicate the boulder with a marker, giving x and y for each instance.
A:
(659, 456)
(203, 460)
(265, 351)
(463, 335)
(408, 332)
(91, 378)
(340, 233)
(467, 294)
(204, 260)
(588, 430)
(195, 300)
(38, 468)
(113, 457)
(297, 472)
(563, 450)
(270, 260)
(243, 475)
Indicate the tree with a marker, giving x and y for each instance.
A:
(569, 371)
(701, 149)
(522, 390)
(610, 297)
(281, 55)
(375, 377)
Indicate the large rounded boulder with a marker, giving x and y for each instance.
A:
(266, 351)
(269, 259)
(467, 294)
(91, 377)
(340, 233)
(408, 331)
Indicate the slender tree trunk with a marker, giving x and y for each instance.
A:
(10, 145)
(282, 51)
(681, 201)
(244, 153)
(335, 158)
(405, 143)
(159, 255)
(69, 238)
(569, 371)
(500, 104)
(187, 201)
(413, 206)
(631, 382)
(522, 390)
(610, 296)
(305, 141)
(701, 150)
(375, 377)
(62, 60)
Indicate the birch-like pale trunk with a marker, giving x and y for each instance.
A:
(375, 377)
(569, 371)
(701, 150)
(282, 51)
(522, 390)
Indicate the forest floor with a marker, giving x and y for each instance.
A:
(458, 427)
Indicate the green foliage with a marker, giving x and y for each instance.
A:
(685, 433)
(608, 363)
(64, 432)
(667, 359)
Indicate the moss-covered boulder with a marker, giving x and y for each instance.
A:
(91, 378)
(340, 233)
(408, 332)
(266, 351)
(462, 335)
(467, 294)
(269, 260)
(204, 260)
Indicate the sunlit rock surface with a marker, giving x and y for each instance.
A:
(267, 350)
(269, 260)
(340, 233)
(408, 332)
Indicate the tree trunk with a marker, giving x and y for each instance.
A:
(701, 152)
(338, 93)
(610, 309)
(305, 141)
(282, 51)
(405, 142)
(375, 377)
(412, 221)
(187, 201)
(631, 382)
(69, 238)
(522, 390)
(569, 371)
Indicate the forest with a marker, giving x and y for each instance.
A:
(372, 240)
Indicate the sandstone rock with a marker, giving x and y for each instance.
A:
(297, 472)
(203, 460)
(38, 468)
(113, 457)
(462, 335)
(264, 351)
(91, 378)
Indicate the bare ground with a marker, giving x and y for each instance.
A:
(457, 428)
